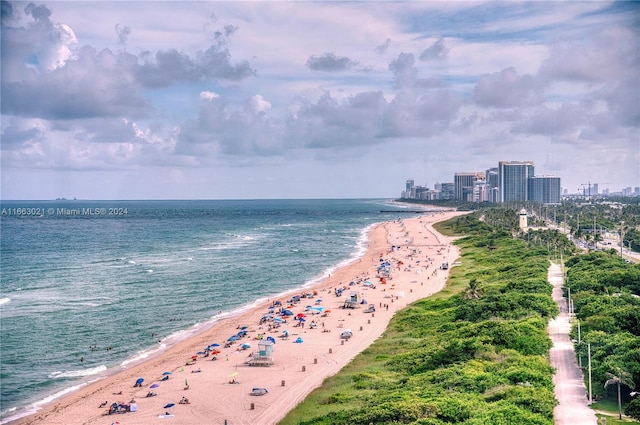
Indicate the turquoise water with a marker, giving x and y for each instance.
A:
(77, 274)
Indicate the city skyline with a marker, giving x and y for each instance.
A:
(250, 100)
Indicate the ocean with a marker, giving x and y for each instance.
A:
(91, 287)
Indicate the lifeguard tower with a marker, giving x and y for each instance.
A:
(353, 300)
(263, 356)
(522, 215)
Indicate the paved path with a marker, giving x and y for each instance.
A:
(570, 391)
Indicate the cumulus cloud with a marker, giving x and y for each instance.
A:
(403, 70)
(330, 62)
(437, 51)
(123, 33)
(383, 48)
(61, 81)
(507, 89)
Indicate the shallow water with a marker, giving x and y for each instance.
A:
(156, 270)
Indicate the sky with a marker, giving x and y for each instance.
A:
(312, 99)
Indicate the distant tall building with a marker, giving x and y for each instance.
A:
(409, 185)
(493, 185)
(447, 190)
(464, 186)
(513, 180)
(545, 189)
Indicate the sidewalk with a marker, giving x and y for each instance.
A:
(573, 407)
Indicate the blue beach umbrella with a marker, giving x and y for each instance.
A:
(298, 341)
(287, 313)
(154, 385)
(166, 406)
(214, 345)
(232, 338)
(139, 381)
(272, 339)
(166, 373)
(200, 352)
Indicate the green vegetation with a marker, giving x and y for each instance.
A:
(475, 353)
(605, 293)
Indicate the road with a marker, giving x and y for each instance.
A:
(570, 391)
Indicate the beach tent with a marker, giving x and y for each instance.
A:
(298, 340)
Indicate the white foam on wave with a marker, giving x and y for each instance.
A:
(149, 271)
(35, 406)
(78, 373)
(143, 355)
(4, 300)
(131, 262)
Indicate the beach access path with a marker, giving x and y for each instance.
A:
(568, 380)
(415, 252)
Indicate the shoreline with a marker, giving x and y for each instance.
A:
(297, 368)
(169, 341)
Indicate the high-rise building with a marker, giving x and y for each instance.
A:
(409, 185)
(464, 186)
(513, 179)
(447, 190)
(545, 189)
(493, 185)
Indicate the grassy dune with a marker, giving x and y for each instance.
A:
(475, 353)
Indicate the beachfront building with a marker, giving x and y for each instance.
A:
(544, 189)
(445, 190)
(493, 185)
(513, 177)
(464, 186)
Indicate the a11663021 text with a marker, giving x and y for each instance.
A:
(64, 212)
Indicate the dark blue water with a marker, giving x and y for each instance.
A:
(75, 274)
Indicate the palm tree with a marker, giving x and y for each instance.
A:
(623, 378)
(473, 291)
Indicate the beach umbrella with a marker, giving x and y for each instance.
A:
(301, 315)
(302, 320)
(194, 357)
(139, 381)
(298, 340)
(234, 374)
(244, 327)
(167, 406)
(154, 385)
(272, 339)
(214, 345)
(287, 313)
(216, 352)
(166, 373)
(200, 352)
(246, 345)
(232, 338)
(278, 320)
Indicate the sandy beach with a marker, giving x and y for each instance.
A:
(414, 253)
